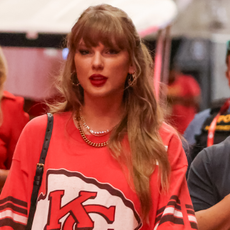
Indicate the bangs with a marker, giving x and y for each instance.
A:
(100, 28)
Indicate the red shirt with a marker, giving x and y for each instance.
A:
(14, 120)
(84, 187)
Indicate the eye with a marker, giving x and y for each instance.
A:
(112, 51)
(84, 51)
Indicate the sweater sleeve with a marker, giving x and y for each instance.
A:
(175, 210)
(16, 193)
(21, 119)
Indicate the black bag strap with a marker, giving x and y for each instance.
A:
(39, 171)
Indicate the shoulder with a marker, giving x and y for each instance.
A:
(31, 140)
(195, 125)
(167, 132)
(172, 141)
(8, 95)
(39, 123)
(13, 109)
(203, 114)
(214, 159)
(216, 154)
(13, 100)
(36, 125)
(222, 146)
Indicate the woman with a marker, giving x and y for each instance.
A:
(111, 163)
(12, 121)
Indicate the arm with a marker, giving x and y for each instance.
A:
(16, 193)
(208, 185)
(13, 199)
(3, 175)
(216, 217)
(175, 210)
(21, 119)
(200, 181)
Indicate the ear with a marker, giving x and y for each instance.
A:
(132, 69)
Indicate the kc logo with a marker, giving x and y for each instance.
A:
(82, 212)
(75, 202)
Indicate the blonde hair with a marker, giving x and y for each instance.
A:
(143, 118)
(3, 70)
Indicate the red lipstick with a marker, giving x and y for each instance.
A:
(98, 80)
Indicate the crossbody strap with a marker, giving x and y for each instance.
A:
(39, 171)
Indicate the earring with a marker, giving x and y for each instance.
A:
(74, 79)
(131, 79)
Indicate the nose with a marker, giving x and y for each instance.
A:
(97, 62)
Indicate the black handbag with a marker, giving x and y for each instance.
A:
(39, 171)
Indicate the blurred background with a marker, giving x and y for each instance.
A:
(190, 34)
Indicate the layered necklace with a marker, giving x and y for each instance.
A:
(81, 122)
(94, 133)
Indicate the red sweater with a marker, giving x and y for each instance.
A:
(85, 188)
(14, 120)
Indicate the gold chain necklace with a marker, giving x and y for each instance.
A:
(93, 144)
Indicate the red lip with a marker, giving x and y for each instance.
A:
(98, 80)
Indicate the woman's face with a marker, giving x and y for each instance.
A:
(101, 70)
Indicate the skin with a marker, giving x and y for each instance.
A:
(217, 216)
(3, 175)
(103, 105)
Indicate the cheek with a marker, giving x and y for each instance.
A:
(122, 66)
(80, 66)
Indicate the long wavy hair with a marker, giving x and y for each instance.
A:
(3, 74)
(142, 118)
(3, 71)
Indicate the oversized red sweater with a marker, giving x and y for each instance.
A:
(84, 187)
(14, 120)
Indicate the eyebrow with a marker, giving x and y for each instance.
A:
(82, 45)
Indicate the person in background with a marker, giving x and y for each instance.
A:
(198, 133)
(112, 162)
(209, 186)
(12, 121)
(183, 95)
(209, 182)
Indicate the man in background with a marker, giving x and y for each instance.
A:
(209, 178)
(198, 130)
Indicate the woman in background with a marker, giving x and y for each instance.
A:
(12, 121)
(112, 162)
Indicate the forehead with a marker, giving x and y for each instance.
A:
(96, 30)
(89, 44)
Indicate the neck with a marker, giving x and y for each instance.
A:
(102, 114)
